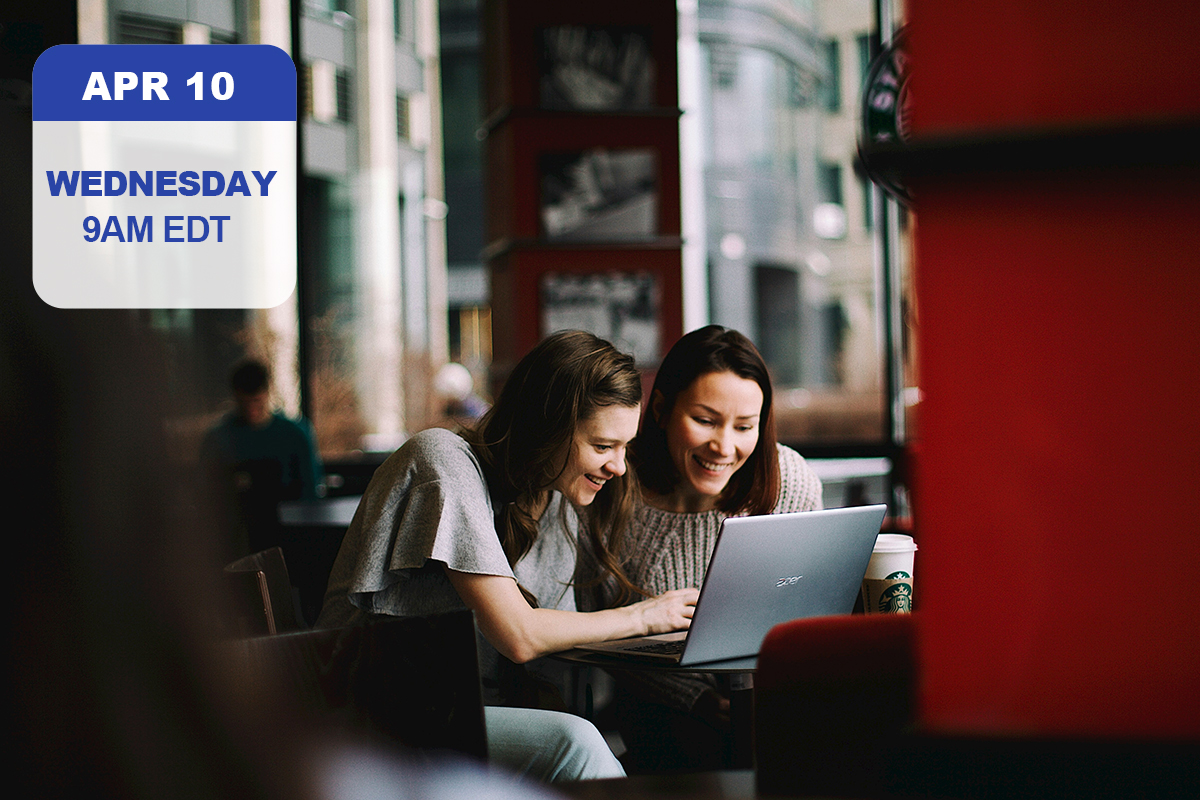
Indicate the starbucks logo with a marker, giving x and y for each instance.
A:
(899, 576)
(886, 101)
(896, 599)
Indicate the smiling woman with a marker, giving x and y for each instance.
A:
(712, 429)
(597, 453)
(706, 450)
(488, 521)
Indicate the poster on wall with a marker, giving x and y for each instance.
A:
(596, 68)
(599, 194)
(621, 307)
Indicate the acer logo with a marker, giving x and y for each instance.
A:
(788, 581)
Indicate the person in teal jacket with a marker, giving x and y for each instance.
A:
(256, 458)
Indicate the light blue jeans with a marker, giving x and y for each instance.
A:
(549, 746)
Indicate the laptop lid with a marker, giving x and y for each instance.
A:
(774, 568)
(765, 570)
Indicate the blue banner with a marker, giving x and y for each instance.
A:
(150, 82)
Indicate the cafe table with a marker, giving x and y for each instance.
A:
(738, 671)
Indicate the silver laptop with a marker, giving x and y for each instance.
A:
(766, 570)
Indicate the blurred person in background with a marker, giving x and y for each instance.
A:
(256, 458)
(461, 407)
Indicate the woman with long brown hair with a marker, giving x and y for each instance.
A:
(706, 450)
(488, 521)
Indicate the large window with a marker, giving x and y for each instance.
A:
(801, 253)
(795, 248)
(791, 243)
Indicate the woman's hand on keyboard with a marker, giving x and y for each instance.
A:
(670, 611)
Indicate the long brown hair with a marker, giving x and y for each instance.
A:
(753, 489)
(524, 440)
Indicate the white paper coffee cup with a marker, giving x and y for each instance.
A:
(888, 583)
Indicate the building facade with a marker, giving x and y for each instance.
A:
(366, 327)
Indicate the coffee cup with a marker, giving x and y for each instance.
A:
(887, 586)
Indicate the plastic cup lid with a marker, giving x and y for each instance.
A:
(894, 543)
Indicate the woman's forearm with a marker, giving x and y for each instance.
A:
(522, 633)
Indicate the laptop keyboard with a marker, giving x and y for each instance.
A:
(670, 648)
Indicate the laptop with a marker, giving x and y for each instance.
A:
(763, 571)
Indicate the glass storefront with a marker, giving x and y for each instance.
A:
(785, 239)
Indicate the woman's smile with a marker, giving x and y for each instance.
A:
(711, 432)
(597, 453)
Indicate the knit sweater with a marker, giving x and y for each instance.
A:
(665, 550)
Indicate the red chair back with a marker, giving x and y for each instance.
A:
(832, 694)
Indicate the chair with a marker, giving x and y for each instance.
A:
(836, 717)
(832, 697)
(262, 592)
(409, 681)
